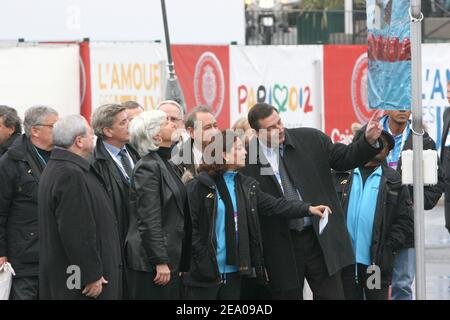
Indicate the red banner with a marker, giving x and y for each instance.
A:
(85, 81)
(346, 95)
(204, 74)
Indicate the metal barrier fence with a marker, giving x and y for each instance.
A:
(292, 27)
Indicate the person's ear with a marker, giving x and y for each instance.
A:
(10, 131)
(107, 132)
(34, 131)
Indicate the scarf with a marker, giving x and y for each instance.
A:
(238, 245)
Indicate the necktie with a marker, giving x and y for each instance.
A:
(125, 163)
(290, 193)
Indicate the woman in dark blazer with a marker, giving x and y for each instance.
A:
(157, 243)
(226, 239)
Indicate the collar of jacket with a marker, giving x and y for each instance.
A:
(204, 178)
(288, 141)
(100, 152)
(66, 155)
(8, 143)
(389, 175)
(19, 148)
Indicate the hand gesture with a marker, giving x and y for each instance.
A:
(374, 127)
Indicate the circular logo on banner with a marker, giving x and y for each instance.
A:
(209, 83)
(359, 89)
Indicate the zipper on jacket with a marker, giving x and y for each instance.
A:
(383, 191)
(211, 234)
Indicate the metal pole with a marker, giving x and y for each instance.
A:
(349, 16)
(419, 221)
(173, 88)
(166, 34)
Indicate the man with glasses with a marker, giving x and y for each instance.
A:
(20, 171)
(175, 114)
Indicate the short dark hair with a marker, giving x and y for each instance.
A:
(11, 118)
(258, 112)
(216, 168)
(192, 115)
(131, 105)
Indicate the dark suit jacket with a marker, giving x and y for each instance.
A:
(309, 155)
(116, 184)
(77, 228)
(445, 162)
(159, 230)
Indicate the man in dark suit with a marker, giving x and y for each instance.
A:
(80, 254)
(201, 126)
(10, 128)
(445, 160)
(20, 171)
(114, 160)
(296, 164)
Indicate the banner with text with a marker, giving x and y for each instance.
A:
(127, 71)
(287, 77)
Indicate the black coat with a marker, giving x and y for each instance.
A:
(20, 171)
(159, 230)
(8, 143)
(77, 227)
(445, 163)
(203, 204)
(116, 184)
(393, 223)
(183, 160)
(431, 194)
(309, 155)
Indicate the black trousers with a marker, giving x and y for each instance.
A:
(24, 288)
(252, 290)
(141, 287)
(311, 265)
(355, 278)
(229, 290)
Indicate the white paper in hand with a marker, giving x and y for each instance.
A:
(323, 221)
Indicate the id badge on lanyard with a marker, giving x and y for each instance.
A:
(392, 162)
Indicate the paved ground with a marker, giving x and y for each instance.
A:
(437, 243)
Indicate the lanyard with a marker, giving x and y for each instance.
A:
(404, 137)
(40, 157)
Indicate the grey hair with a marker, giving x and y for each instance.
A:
(192, 116)
(132, 105)
(143, 128)
(176, 104)
(67, 129)
(10, 118)
(35, 116)
(103, 117)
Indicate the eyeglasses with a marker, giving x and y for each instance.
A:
(173, 119)
(45, 125)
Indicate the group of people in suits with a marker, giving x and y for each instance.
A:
(166, 206)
